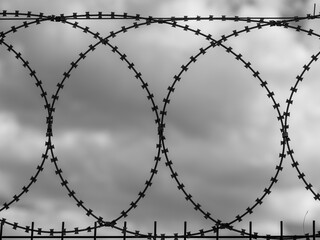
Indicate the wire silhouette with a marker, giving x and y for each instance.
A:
(32, 20)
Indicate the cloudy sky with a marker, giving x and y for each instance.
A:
(221, 130)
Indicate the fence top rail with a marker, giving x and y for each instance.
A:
(21, 16)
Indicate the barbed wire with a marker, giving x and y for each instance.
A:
(37, 234)
(160, 115)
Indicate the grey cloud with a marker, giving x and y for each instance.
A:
(296, 7)
(20, 174)
(91, 92)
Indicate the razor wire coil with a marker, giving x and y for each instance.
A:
(31, 19)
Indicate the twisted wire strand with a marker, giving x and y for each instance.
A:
(17, 15)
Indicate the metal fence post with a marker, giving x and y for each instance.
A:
(217, 233)
(32, 228)
(124, 230)
(1, 228)
(314, 230)
(155, 230)
(250, 230)
(62, 230)
(95, 231)
(281, 230)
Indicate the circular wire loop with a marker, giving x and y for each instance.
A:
(270, 94)
(154, 108)
(50, 109)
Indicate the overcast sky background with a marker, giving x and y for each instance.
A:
(222, 132)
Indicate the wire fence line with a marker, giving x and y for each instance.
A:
(33, 233)
(29, 19)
